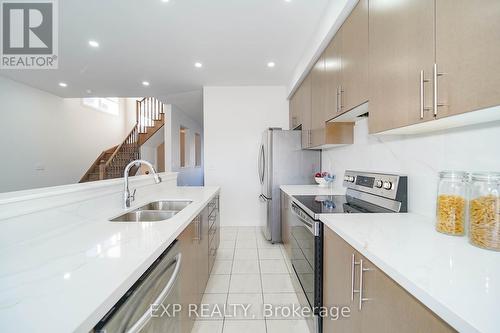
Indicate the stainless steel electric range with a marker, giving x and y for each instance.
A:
(366, 193)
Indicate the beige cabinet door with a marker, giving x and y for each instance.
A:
(202, 253)
(188, 280)
(354, 36)
(333, 76)
(401, 46)
(294, 111)
(468, 52)
(337, 283)
(391, 309)
(318, 103)
(304, 104)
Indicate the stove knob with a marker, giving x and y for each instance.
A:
(387, 185)
(346, 178)
(351, 179)
(378, 184)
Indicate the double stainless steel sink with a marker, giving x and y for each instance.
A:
(153, 212)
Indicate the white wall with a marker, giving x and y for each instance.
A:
(128, 105)
(149, 150)
(39, 130)
(234, 119)
(190, 175)
(421, 157)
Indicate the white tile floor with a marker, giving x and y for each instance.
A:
(249, 270)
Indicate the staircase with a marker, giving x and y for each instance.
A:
(111, 163)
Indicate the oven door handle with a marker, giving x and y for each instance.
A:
(312, 226)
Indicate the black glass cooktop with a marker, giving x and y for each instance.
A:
(333, 204)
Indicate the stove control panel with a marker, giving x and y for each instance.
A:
(385, 185)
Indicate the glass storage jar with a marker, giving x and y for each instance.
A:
(452, 202)
(484, 210)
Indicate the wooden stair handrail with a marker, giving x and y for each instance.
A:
(96, 162)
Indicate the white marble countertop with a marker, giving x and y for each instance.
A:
(459, 282)
(62, 269)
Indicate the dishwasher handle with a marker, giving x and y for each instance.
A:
(143, 320)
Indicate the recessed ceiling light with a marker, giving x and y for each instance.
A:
(62, 84)
(88, 91)
(288, 0)
(145, 83)
(165, 0)
(198, 65)
(271, 64)
(93, 43)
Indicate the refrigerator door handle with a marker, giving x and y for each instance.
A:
(262, 163)
(263, 198)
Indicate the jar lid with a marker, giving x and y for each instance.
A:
(454, 174)
(487, 176)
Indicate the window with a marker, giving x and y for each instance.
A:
(104, 104)
(197, 150)
(182, 147)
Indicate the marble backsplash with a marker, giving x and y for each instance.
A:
(420, 157)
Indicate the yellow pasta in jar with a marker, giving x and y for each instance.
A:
(450, 214)
(485, 222)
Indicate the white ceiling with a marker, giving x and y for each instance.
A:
(160, 42)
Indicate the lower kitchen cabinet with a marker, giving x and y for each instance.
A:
(337, 284)
(187, 276)
(198, 250)
(349, 278)
(286, 203)
(202, 253)
(213, 231)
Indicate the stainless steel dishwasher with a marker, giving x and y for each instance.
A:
(148, 304)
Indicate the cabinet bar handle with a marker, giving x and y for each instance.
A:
(435, 103)
(422, 99)
(197, 222)
(338, 98)
(361, 271)
(353, 265)
(341, 102)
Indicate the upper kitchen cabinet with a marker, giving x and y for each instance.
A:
(431, 59)
(333, 76)
(318, 103)
(401, 48)
(354, 51)
(300, 110)
(305, 115)
(468, 55)
(294, 111)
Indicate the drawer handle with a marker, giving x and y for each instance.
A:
(422, 95)
(362, 270)
(354, 263)
(435, 103)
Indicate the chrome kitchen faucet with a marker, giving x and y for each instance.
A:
(127, 198)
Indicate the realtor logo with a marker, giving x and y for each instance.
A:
(29, 34)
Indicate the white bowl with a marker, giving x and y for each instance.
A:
(321, 181)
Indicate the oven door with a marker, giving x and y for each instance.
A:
(307, 257)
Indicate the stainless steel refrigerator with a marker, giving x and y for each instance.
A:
(282, 161)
